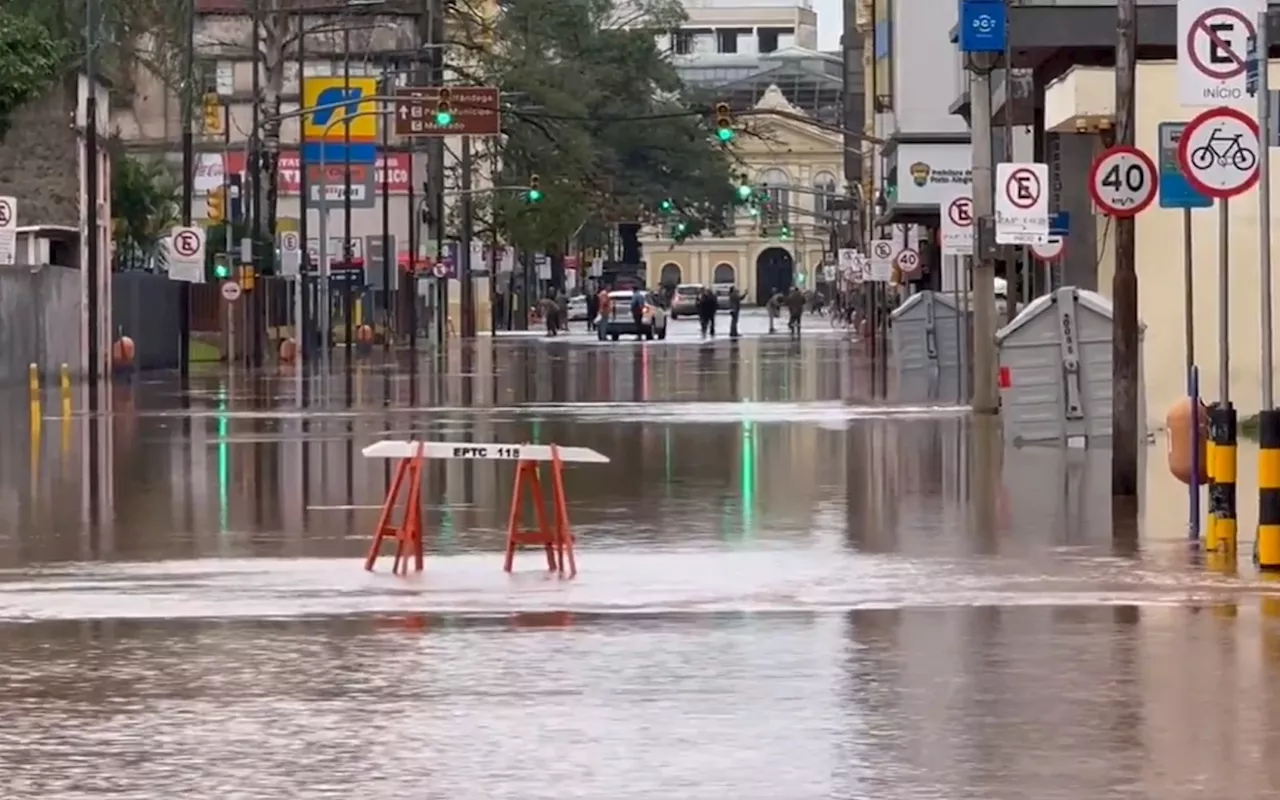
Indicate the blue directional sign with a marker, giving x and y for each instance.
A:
(984, 26)
(1059, 223)
(1175, 190)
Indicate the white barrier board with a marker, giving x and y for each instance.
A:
(490, 452)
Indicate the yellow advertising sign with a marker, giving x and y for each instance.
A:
(331, 100)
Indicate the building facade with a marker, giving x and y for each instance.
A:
(799, 165)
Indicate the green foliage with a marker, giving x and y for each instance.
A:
(143, 207)
(602, 116)
(31, 57)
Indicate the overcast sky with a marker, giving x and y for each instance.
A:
(830, 22)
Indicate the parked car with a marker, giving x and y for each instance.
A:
(653, 322)
(685, 300)
(578, 308)
(722, 294)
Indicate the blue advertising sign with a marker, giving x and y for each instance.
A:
(984, 26)
(337, 152)
(1175, 190)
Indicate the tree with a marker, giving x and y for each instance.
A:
(144, 206)
(600, 115)
(31, 58)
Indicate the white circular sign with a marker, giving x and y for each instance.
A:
(231, 291)
(909, 262)
(186, 243)
(1218, 152)
(440, 270)
(289, 242)
(1050, 250)
(883, 250)
(6, 214)
(960, 212)
(1123, 181)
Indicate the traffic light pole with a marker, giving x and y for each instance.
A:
(188, 186)
(468, 322)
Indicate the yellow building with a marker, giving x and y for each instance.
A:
(798, 164)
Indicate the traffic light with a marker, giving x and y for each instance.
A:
(535, 192)
(212, 112)
(680, 231)
(444, 107)
(724, 122)
(215, 205)
(220, 269)
(744, 193)
(785, 232)
(666, 206)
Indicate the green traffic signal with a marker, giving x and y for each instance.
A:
(444, 118)
(725, 134)
(221, 271)
(533, 195)
(666, 206)
(744, 193)
(785, 233)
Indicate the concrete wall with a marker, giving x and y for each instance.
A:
(40, 321)
(926, 75)
(37, 158)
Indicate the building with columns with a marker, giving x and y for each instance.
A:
(800, 167)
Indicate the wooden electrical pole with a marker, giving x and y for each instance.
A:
(1126, 416)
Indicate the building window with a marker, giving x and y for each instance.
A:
(727, 41)
(724, 274)
(670, 275)
(768, 38)
(683, 43)
(824, 186)
(776, 184)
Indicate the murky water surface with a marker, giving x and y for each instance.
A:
(791, 587)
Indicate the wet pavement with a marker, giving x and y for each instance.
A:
(791, 587)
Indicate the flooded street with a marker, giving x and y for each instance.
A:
(791, 587)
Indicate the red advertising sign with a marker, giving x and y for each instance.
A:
(290, 170)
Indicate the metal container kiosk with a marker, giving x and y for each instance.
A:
(1055, 371)
(928, 334)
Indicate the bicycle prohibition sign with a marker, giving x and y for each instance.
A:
(1218, 152)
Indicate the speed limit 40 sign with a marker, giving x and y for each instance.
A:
(1123, 181)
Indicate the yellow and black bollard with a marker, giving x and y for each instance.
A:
(1211, 518)
(1267, 549)
(1222, 488)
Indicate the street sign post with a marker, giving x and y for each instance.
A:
(1212, 41)
(1218, 152)
(476, 111)
(1022, 203)
(8, 230)
(957, 227)
(186, 254)
(231, 291)
(883, 253)
(1175, 190)
(290, 254)
(1123, 181)
(909, 264)
(1051, 249)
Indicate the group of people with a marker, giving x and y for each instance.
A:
(708, 304)
(795, 303)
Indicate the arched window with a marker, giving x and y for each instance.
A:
(671, 274)
(724, 273)
(824, 184)
(777, 184)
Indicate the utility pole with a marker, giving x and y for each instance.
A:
(91, 202)
(1124, 287)
(347, 253)
(188, 184)
(253, 301)
(468, 322)
(302, 327)
(986, 399)
(435, 167)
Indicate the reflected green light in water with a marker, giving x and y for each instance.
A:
(224, 462)
(666, 444)
(447, 529)
(747, 477)
(536, 433)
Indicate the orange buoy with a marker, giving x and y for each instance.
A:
(364, 335)
(288, 351)
(122, 352)
(1181, 435)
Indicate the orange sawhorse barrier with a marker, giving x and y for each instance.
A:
(407, 534)
(555, 535)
